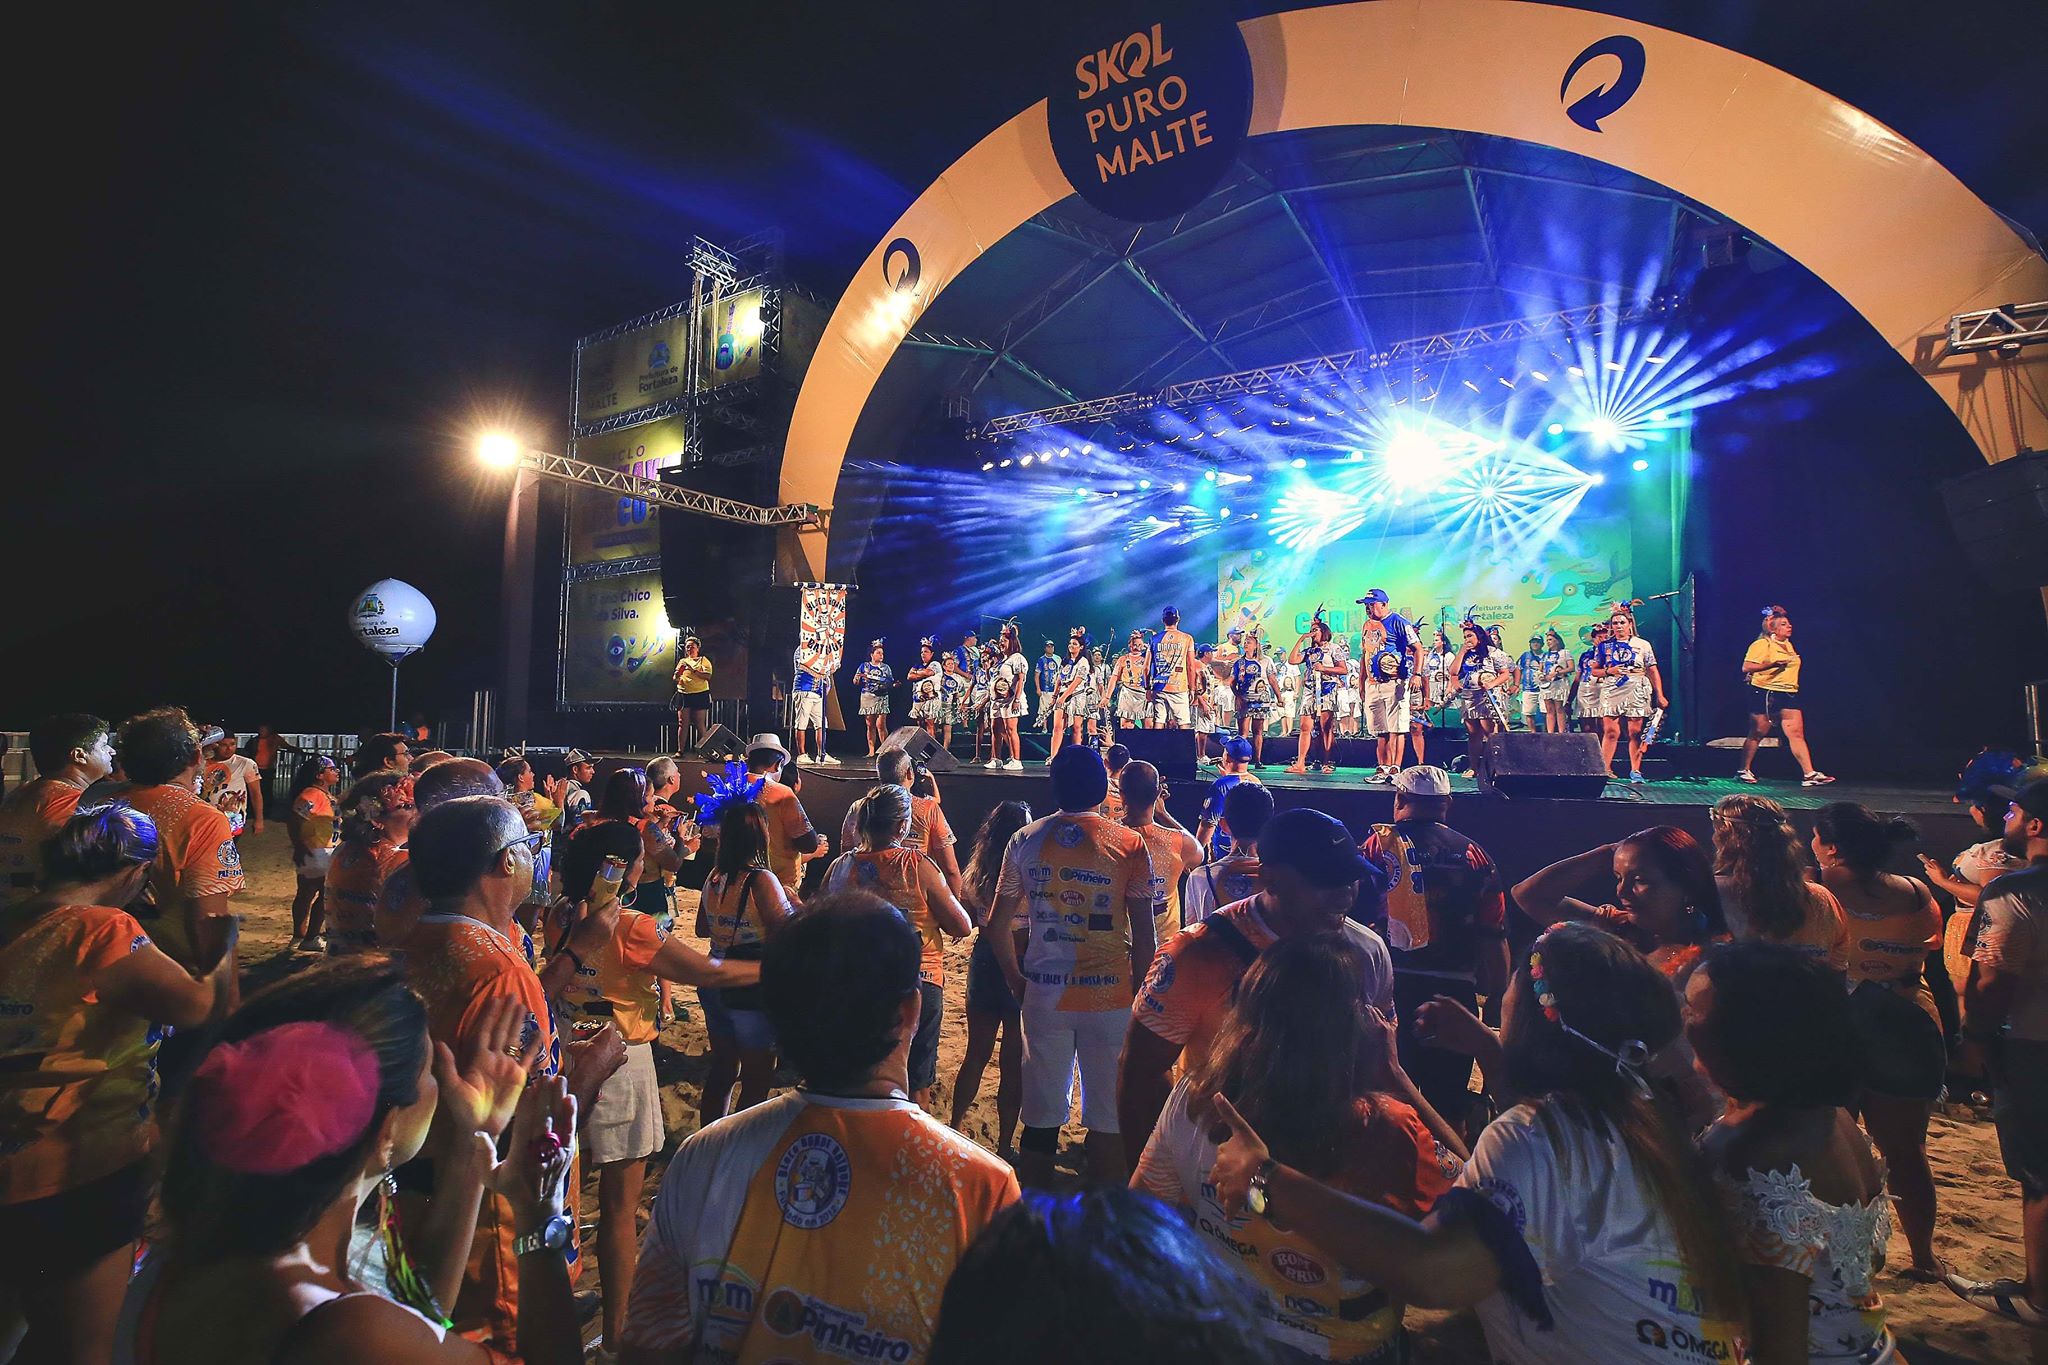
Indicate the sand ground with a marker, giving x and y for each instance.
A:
(1978, 1231)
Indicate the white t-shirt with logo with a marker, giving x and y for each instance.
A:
(1608, 1254)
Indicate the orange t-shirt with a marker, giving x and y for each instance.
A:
(1081, 878)
(314, 831)
(354, 882)
(458, 965)
(77, 1077)
(892, 874)
(622, 978)
(196, 856)
(787, 823)
(28, 818)
(1163, 845)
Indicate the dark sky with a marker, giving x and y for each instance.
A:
(283, 259)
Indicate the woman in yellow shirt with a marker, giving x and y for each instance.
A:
(1771, 668)
(692, 695)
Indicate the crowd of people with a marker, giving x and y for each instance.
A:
(1402, 679)
(1654, 1096)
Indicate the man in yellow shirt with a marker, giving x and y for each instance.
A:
(1771, 667)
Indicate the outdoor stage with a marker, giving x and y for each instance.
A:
(1522, 834)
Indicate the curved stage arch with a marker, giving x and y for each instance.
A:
(1903, 241)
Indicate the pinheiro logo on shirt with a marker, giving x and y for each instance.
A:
(812, 1181)
(833, 1330)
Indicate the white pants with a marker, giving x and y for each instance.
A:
(1054, 1040)
(808, 711)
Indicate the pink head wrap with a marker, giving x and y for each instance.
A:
(285, 1097)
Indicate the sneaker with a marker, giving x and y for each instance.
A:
(1815, 779)
(828, 759)
(1745, 775)
(1013, 766)
(2007, 1298)
(1636, 777)
(805, 760)
(315, 944)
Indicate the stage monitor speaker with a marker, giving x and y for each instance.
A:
(1170, 751)
(1539, 765)
(719, 744)
(924, 751)
(2000, 514)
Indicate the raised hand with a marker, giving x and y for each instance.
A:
(1443, 1022)
(480, 1089)
(1237, 1160)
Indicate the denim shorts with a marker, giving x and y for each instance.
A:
(747, 1029)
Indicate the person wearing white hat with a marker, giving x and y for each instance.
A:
(791, 839)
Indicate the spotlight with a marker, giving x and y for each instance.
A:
(1223, 511)
(1005, 464)
(1024, 462)
(1470, 385)
(1080, 492)
(987, 465)
(1180, 488)
(1654, 359)
(1555, 428)
(1597, 479)
(498, 450)
(1614, 365)
(1144, 483)
(1298, 462)
(1539, 376)
(1639, 465)
(1414, 459)
(1605, 431)
(1209, 474)
(1577, 373)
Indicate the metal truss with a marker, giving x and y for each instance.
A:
(668, 495)
(2005, 328)
(1323, 369)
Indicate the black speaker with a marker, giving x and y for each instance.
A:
(1170, 751)
(2000, 514)
(1519, 764)
(720, 744)
(924, 751)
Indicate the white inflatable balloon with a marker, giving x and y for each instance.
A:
(392, 617)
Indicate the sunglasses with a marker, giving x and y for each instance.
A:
(534, 842)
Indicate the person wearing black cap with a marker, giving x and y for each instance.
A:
(2005, 1012)
(1310, 869)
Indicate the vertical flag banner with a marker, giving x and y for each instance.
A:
(821, 623)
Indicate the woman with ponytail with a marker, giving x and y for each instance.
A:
(1584, 1227)
(283, 1246)
(1765, 891)
(1895, 971)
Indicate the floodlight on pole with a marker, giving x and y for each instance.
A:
(498, 450)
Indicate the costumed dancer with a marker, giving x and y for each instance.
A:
(1394, 661)
(1506, 687)
(1223, 701)
(1322, 670)
(1252, 684)
(1771, 668)
(1007, 702)
(1529, 666)
(1348, 686)
(979, 703)
(1098, 668)
(873, 680)
(925, 686)
(955, 688)
(807, 702)
(1203, 702)
(1588, 705)
(1287, 684)
(692, 695)
(1131, 685)
(1045, 680)
(1557, 682)
(1174, 675)
(1482, 667)
(1633, 688)
(1073, 695)
(1422, 690)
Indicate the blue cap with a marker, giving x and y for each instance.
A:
(1238, 750)
(1375, 596)
(1318, 847)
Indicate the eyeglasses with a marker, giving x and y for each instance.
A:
(534, 842)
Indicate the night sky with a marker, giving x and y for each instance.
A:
(282, 260)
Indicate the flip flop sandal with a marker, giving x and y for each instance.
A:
(2006, 1298)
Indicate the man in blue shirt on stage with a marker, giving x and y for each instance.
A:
(1045, 676)
(1393, 655)
(813, 679)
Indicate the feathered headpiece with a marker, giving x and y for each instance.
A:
(1079, 633)
(727, 787)
(930, 642)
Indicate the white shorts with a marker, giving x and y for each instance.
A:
(1347, 702)
(807, 711)
(1386, 708)
(1532, 702)
(312, 865)
(1131, 706)
(1630, 699)
(1054, 1040)
(1168, 709)
(625, 1122)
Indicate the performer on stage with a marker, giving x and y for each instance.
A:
(1772, 668)
(1216, 678)
(693, 695)
(1131, 685)
(1045, 680)
(1252, 683)
(1557, 682)
(955, 687)
(1007, 698)
(969, 653)
(1529, 667)
(1287, 682)
(1632, 688)
(1203, 702)
(1395, 660)
(1348, 689)
(1322, 669)
(1098, 668)
(1073, 695)
(1482, 667)
(925, 686)
(873, 680)
(980, 703)
(1174, 680)
(1587, 702)
(807, 703)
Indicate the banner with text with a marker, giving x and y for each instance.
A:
(632, 370)
(606, 526)
(821, 626)
(617, 643)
